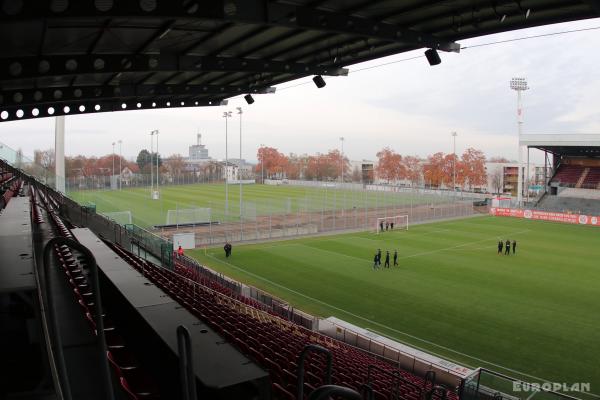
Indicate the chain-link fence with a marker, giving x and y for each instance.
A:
(318, 211)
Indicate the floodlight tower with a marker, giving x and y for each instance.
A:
(520, 85)
(226, 115)
(240, 164)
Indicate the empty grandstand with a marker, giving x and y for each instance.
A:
(93, 309)
(574, 184)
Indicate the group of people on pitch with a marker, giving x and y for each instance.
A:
(377, 259)
(506, 246)
(388, 225)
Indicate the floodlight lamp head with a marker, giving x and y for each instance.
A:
(319, 81)
(249, 99)
(518, 84)
(433, 57)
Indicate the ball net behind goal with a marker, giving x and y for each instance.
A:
(400, 222)
(189, 216)
(120, 217)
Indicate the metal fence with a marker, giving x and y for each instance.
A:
(339, 211)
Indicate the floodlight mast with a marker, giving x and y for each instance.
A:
(226, 115)
(520, 85)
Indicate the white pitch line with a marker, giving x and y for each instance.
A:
(458, 246)
(390, 328)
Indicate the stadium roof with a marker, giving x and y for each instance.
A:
(69, 57)
(571, 145)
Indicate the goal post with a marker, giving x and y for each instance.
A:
(188, 216)
(120, 217)
(400, 222)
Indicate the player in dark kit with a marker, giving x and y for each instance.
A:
(391, 225)
(395, 257)
(379, 257)
(387, 226)
(381, 226)
(500, 246)
(375, 260)
(514, 246)
(387, 259)
(507, 247)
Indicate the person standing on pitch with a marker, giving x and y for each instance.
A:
(387, 259)
(379, 257)
(375, 259)
(395, 255)
(514, 246)
(387, 226)
(391, 225)
(381, 226)
(500, 246)
(507, 248)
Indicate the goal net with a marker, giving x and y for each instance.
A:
(188, 216)
(120, 217)
(392, 223)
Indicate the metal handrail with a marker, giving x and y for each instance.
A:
(300, 373)
(186, 364)
(325, 391)
(395, 374)
(65, 385)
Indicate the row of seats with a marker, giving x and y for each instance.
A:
(568, 175)
(185, 268)
(132, 378)
(11, 192)
(592, 180)
(4, 177)
(275, 343)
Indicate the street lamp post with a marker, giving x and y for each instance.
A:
(262, 165)
(157, 171)
(226, 115)
(520, 85)
(240, 164)
(151, 166)
(154, 132)
(113, 159)
(454, 134)
(342, 161)
(120, 168)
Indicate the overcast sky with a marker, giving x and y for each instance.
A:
(408, 106)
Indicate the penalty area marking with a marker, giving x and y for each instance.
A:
(387, 327)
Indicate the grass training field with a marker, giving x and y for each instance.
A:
(258, 200)
(534, 315)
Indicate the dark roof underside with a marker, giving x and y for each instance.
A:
(78, 56)
(571, 151)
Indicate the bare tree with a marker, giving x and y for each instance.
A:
(496, 179)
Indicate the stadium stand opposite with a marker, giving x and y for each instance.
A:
(574, 185)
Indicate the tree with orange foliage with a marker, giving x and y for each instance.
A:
(433, 170)
(295, 166)
(412, 166)
(390, 166)
(473, 168)
(271, 160)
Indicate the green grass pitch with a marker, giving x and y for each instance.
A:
(264, 199)
(533, 314)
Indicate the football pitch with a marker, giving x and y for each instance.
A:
(534, 315)
(258, 200)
